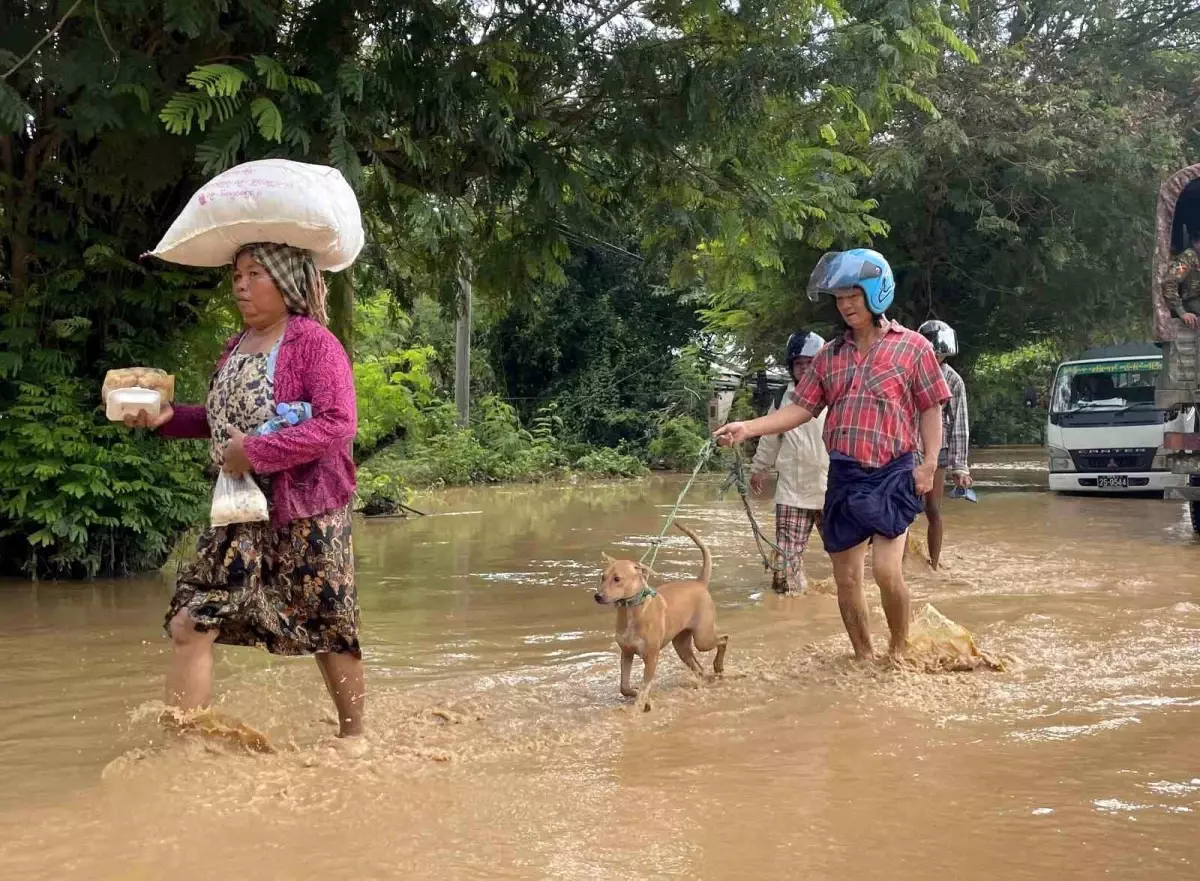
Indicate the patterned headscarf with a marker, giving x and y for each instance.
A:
(296, 276)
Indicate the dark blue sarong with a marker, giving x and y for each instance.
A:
(863, 502)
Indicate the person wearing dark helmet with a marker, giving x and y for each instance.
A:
(956, 435)
(802, 463)
(880, 382)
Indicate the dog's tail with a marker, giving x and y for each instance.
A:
(706, 569)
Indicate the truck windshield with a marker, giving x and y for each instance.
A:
(1105, 385)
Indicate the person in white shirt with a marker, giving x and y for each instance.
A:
(802, 462)
(956, 434)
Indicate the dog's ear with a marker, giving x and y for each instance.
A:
(608, 561)
(645, 571)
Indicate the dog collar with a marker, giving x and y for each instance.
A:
(642, 595)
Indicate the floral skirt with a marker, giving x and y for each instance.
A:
(289, 590)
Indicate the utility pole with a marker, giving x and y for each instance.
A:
(462, 347)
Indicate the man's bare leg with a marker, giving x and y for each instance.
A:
(852, 601)
(887, 561)
(933, 513)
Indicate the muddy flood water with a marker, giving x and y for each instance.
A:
(500, 747)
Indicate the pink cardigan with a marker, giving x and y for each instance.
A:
(311, 462)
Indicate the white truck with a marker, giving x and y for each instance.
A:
(1104, 431)
(1177, 390)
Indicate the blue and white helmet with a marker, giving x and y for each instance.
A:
(861, 268)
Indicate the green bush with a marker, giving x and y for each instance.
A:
(995, 395)
(80, 496)
(608, 462)
(678, 443)
(495, 448)
(380, 488)
(391, 391)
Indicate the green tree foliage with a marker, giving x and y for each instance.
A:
(1021, 210)
(995, 400)
(90, 180)
(604, 345)
(1025, 211)
(599, 171)
(391, 375)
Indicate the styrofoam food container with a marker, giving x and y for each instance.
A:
(124, 402)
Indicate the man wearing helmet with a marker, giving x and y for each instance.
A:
(955, 433)
(800, 458)
(881, 384)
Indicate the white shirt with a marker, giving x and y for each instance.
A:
(802, 461)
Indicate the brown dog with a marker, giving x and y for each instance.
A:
(681, 612)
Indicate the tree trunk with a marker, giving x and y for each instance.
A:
(341, 309)
(462, 349)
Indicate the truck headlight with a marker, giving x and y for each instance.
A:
(1060, 460)
(1160, 461)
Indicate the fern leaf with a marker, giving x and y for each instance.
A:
(344, 158)
(350, 80)
(218, 80)
(223, 147)
(271, 71)
(183, 110)
(295, 136)
(13, 109)
(225, 108)
(304, 85)
(139, 92)
(266, 116)
(951, 39)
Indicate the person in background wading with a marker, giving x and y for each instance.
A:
(286, 585)
(802, 463)
(956, 435)
(879, 381)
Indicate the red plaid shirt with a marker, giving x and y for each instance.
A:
(874, 401)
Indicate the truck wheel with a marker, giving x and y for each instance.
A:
(1194, 510)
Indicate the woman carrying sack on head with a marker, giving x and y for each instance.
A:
(286, 585)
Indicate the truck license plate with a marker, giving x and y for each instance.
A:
(1112, 481)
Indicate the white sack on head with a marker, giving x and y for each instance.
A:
(270, 200)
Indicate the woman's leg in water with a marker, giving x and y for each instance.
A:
(189, 678)
(343, 674)
(933, 513)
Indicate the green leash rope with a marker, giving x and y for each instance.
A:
(652, 552)
(737, 477)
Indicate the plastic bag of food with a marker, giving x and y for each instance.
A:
(238, 500)
(139, 377)
(122, 402)
(937, 644)
(268, 200)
